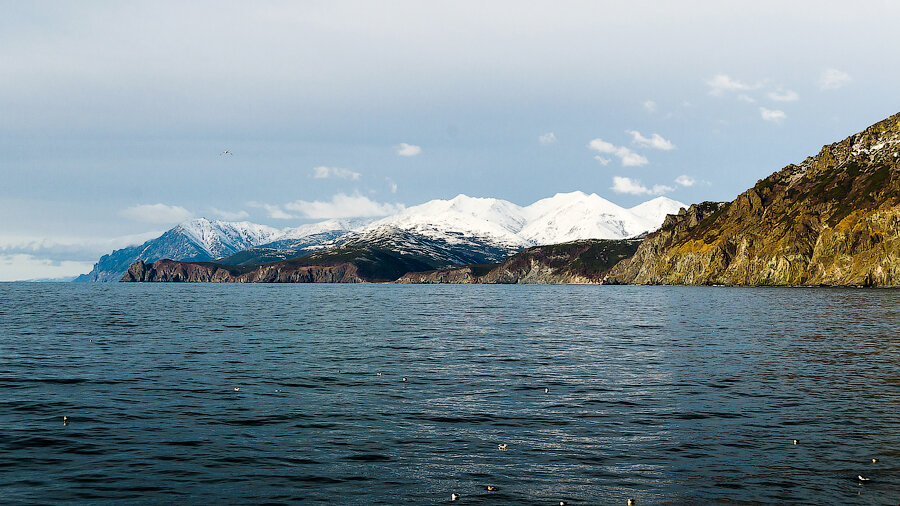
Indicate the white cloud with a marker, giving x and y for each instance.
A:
(547, 138)
(602, 146)
(628, 157)
(274, 212)
(634, 187)
(631, 159)
(69, 248)
(21, 267)
(743, 97)
(773, 115)
(603, 161)
(343, 206)
(722, 83)
(685, 180)
(157, 213)
(323, 172)
(655, 141)
(650, 106)
(832, 79)
(405, 149)
(229, 215)
(783, 96)
(391, 184)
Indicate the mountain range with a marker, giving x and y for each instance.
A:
(437, 234)
(831, 220)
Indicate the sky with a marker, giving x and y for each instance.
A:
(114, 115)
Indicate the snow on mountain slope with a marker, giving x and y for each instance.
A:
(313, 234)
(321, 227)
(570, 216)
(455, 219)
(653, 212)
(447, 250)
(220, 238)
(561, 218)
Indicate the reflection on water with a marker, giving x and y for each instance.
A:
(667, 395)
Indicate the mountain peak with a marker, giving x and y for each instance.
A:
(220, 238)
(577, 194)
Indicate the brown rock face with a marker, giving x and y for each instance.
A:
(832, 220)
(577, 262)
(279, 272)
(460, 276)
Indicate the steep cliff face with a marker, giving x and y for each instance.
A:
(832, 220)
(577, 262)
(341, 264)
(280, 272)
(458, 276)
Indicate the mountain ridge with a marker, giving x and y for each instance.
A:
(199, 240)
(447, 232)
(575, 262)
(833, 219)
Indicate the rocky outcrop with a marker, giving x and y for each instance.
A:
(460, 275)
(279, 272)
(832, 220)
(577, 262)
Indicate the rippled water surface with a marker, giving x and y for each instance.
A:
(667, 395)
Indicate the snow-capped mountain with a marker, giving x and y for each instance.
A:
(221, 238)
(440, 232)
(561, 218)
(201, 240)
(571, 216)
(460, 218)
(486, 230)
(313, 234)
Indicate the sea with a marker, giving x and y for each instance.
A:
(404, 394)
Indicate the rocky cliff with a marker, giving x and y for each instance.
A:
(335, 265)
(279, 272)
(577, 262)
(834, 219)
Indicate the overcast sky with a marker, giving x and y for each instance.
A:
(113, 115)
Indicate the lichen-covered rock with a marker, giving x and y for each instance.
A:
(832, 220)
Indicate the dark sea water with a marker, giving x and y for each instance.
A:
(668, 395)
